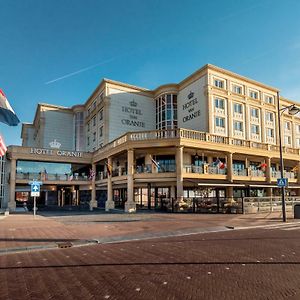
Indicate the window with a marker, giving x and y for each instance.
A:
(287, 125)
(269, 116)
(238, 108)
(237, 89)
(298, 128)
(219, 83)
(101, 115)
(270, 132)
(254, 112)
(238, 126)
(253, 94)
(254, 129)
(94, 136)
(287, 140)
(88, 140)
(219, 103)
(94, 121)
(297, 142)
(220, 122)
(89, 111)
(101, 131)
(269, 99)
(88, 126)
(166, 112)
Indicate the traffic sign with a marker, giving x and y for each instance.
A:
(35, 190)
(282, 182)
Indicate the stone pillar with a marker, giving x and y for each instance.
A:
(179, 167)
(93, 202)
(229, 167)
(109, 204)
(12, 185)
(46, 198)
(229, 192)
(269, 192)
(173, 191)
(130, 205)
(268, 170)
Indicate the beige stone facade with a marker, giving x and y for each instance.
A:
(214, 134)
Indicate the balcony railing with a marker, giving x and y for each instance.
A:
(277, 174)
(204, 169)
(52, 177)
(252, 173)
(193, 135)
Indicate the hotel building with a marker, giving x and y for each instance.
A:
(214, 134)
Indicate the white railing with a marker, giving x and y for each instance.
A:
(277, 174)
(204, 169)
(192, 135)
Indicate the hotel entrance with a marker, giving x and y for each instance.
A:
(151, 197)
(67, 196)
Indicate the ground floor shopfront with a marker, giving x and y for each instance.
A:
(151, 170)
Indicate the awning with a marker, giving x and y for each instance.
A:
(222, 184)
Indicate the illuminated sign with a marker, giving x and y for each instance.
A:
(42, 151)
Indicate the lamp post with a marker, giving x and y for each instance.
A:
(292, 110)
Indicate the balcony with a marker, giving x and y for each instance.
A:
(289, 175)
(52, 177)
(204, 169)
(249, 172)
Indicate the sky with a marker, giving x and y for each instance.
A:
(58, 51)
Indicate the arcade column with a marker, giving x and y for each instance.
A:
(109, 204)
(179, 167)
(12, 185)
(93, 202)
(130, 205)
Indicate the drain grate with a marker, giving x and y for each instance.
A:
(64, 245)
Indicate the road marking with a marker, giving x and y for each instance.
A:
(291, 228)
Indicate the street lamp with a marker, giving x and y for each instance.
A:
(292, 110)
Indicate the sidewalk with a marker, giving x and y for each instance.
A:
(21, 231)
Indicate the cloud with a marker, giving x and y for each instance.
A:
(82, 70)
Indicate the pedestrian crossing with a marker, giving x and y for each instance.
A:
(285, 227)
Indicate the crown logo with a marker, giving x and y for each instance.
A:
(55, 144)
(190, 95)
(133, 103)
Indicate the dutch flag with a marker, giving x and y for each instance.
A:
(7, 115)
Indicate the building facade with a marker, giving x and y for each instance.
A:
(214, 134)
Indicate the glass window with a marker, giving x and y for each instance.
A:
(219, 103)
(94, 136)
(238, 108)
(298, 142)
(237, 89)
(269, 99)
(254, 112)
(269, 116)
(270, 132)
(287, 125)
(253, 94)
(220, 122)
(166, 112)
(254, 129)
(88, 140)
(88, 126)
(287, 140)
(298, 128)
(238, 126)
(101, 131)
(219, 83)
(94, 121)
(101, 115)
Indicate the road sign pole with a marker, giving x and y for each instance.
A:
(34, 206)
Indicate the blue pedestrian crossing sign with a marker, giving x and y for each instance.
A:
(35, 188)
(282, 182)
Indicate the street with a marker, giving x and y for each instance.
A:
(261, 263)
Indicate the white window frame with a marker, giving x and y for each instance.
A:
(256, 110)
(252, 93)
(269, 99)
(256, 127)
(217, 101)
(269, 116)
(237, 104)
(270, 130)
(238, 128)
(218, 123)
(219, 83)
(237, 89)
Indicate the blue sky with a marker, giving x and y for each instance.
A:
(146, 43)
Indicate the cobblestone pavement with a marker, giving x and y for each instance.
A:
(22, 230)
(235, 264)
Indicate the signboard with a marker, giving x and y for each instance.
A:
(282, 182)
(35, 188)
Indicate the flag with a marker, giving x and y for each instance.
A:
(3, 148)
(92, 174)
(7, 115)
(155, 162)
(295, 169)
(108, 168)
(262, 166)
(70, 177)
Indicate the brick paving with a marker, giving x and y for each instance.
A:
(236, 264)
(21, 230)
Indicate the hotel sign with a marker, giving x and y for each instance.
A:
(190, 108)
(42, 151)
(133, 115)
